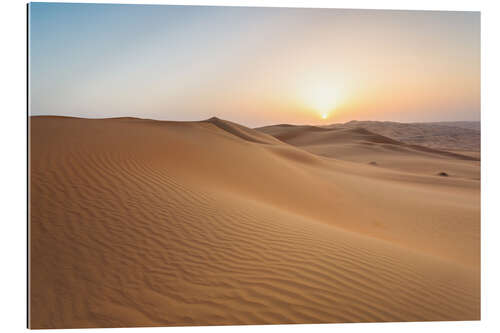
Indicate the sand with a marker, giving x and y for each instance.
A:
(152, 223)
(358, 144)
(449, 135)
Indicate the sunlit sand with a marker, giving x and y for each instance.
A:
(154, 223)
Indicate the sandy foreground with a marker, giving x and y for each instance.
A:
(153, 223)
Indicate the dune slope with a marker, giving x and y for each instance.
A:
(148, 223)
(358, 144)
(452, 135)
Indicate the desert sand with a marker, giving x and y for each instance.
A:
(153, 223)
(447, 135)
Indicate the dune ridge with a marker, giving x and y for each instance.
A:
(150, 223)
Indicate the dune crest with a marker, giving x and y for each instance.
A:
(242, 132)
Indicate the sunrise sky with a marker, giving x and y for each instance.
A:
(254, 66)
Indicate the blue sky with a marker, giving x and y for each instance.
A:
(255, 66)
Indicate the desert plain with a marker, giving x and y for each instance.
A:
(136, 222)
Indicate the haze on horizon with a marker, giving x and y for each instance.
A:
(255, 66)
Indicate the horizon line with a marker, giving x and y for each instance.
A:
(274, 124)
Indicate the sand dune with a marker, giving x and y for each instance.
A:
(358, 144)
(453, 135)
(152, 223)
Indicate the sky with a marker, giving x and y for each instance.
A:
(254, 66)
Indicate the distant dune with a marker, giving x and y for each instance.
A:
(139, 222)
(473, 125)
(357, 144)
(459, 135)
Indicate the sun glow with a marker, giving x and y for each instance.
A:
(320, 97)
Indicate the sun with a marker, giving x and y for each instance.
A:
(321, 98)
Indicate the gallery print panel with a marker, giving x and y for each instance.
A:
(204, 165)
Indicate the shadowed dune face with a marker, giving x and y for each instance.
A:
(148, 223)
